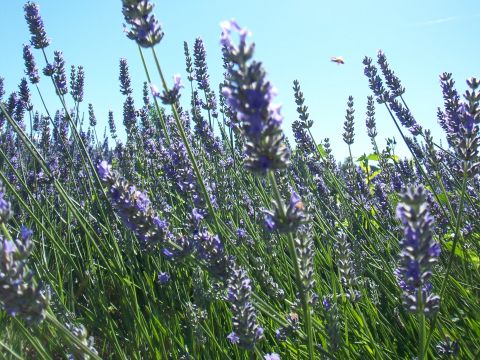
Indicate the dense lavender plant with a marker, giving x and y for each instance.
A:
(382, 202)
(145, 30)
(18, 294)
(35, 25)
(419, 252)
(246, 332)
(250, 95)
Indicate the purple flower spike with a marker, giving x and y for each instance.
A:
(30, 67)
(144, 27)
(35, 25)
(419, 252)
(246, 330)
(250, 96)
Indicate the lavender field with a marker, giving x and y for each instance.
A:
(193, 227)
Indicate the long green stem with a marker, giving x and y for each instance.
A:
(452, 254)
(298, 277)
(157, 107)
(421, 325)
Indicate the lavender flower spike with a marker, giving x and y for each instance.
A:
(30, 66)
(246, 333)
(59, 76)
(418, 252)
(144, 27)
(35, 25)
(251, 96)
(135, 209)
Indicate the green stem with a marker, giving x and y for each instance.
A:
(421, 325)
(298, 277)
(157, 107)
(452, 254)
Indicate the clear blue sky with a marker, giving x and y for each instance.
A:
(294, 39)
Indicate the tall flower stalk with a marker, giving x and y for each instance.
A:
(419, 252)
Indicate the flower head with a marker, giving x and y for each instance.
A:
(144, 27)
(251, 96)
(246, 330)
(419, 252)
(163, 278)
(30, 67)
(35, 24)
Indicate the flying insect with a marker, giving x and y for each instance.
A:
(337, 59)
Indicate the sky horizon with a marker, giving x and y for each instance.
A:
(293, 40)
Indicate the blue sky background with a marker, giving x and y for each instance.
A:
(294, 39)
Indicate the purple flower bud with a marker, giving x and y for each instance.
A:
(104, 170)
(233, 338)
(163, 278)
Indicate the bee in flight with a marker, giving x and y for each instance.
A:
(337, 59)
